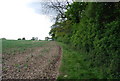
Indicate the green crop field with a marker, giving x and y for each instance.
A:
(0, 46)
(13, 46)
(29, 59)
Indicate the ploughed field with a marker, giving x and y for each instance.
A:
(30, 59)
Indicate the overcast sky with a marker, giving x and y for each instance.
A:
(18, 19)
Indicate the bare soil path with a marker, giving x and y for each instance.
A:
(40, 63)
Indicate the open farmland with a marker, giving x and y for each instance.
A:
(30, 59)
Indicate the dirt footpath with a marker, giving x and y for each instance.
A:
(40, 63)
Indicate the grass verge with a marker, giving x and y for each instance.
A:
(74, 66)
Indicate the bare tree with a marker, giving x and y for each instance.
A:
(56, 8)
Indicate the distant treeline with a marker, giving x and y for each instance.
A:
(93, 28)
(33, 38)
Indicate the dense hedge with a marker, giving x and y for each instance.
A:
(93, 28)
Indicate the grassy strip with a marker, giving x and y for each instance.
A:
(74, 65)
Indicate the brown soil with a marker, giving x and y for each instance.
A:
(40, 63)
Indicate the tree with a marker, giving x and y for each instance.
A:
(46, 38)
(23, 38)
(56, 7)
(75, 11)
(19, 38)
(33, 38)
(3, 38)
(94, 29)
